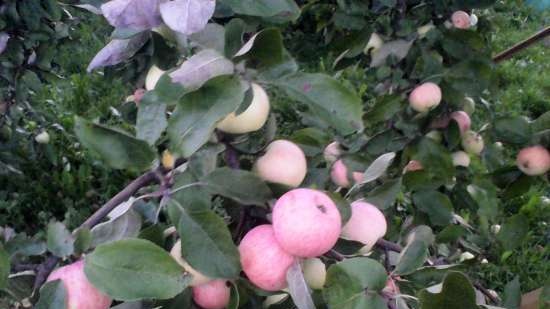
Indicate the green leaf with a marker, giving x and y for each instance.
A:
(118, 149)
(265, 48)
(234, 297)
(436, 159)
(354, 284)
(513, 232)
(60, 240)
(4, 267)
(327, 99)
(197, 113)
(512, 294)
(513, 130)
(239, 185)
(413, 256)
(151, 118)
(486, 200)
(436, 205)
(135, 269)
(83, 240)
(384, 196)
(344, 207)
(126, 225)
(234, 33)
(457, 293)
(52, 295)
(206, 242)
(384, 109)
(542, 123)
(278, 10)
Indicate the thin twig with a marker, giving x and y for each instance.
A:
(486, 292)
(522, 45)
(388, 245)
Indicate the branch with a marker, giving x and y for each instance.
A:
(486, 292)
(388, 245)
(522, 45)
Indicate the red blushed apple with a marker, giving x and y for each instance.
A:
(339, 175)
(425, 97)
(413, 166)
(534, 161)
(461, 20)
(332, 152)
(463, 120)
(306, 222)
(81, 294)
(263, 260)
(212, 295)
(366, 225)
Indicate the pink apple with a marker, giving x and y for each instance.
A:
(138, 95)
(212, 295)
(81, 294)
(463, 120)
(413, 166)
(339, 175)
(534, 160)
(263, 260)
(332, 152)
(283, 162)
(306, 222)
(366, 225)
(461, 20)
(425, 97)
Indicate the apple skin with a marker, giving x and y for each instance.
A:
(413, 166)
(212, 295)
(153, 76)
(366, 225)
(435, 135)
(274, 299)
(138, 95)
(469, 105)
(425, 97)
(252, 119)
(374, 44)
(472, 142)
(463, 120)
(198, 278)
(283, 162)
(81, 294)
(332, 152)
(263, 260)
(315, 273)
(461, 20)
(461, 158)
(42, 138)
(306, 222)
(534, 161)
(339, 175)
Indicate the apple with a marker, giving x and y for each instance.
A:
(80, 293)
(423, 30)
(374, 44)
(472, 142)
(461, 158)
(153, 76)
(197, 277)
(283, 162)
(168, 160)
(274, 299)
(212, 295)
(315, 273)
(534, 160)
(252, 119)
(469, 105)
(306, 222)
(413, 166)
(339, 175)
(461, 20)
(425, 97)
(473, 20)
(138, 95)
(332, 152)
(463, 120)
(263, 260)
(366, 225)
(435, 135)
(42, 138)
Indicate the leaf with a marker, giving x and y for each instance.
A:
(135, 269)
(413, 256)
(242, 186)
(541, 124)
(52, 295)
(4, 267)
(132, 14)
(200, 68)
(187, 16)
(234, 33)
(384, 196)
(384, 109)
(281, 10)
(118, 149)
(60, 240)
(398, 49)
(118, 51)
(83, 240)
(486, 199)
(457, 293)
(354, 283)
(264, 46)
(206, 242)
(378, 168)
(344, 207)
(234, 298)
(512, 294)
(513, 232)
(298, 288)
(197, 113)
(436, 205)
(4, 38)
(126, 226)
(513, 130)
(151, 118)
(327, 99)
(211, 37)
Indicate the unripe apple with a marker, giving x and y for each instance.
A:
(461, 20)
(80, 293)
(315, 273)
(425, 97)
(306, 222)
(423, 30)
(42, 138)
(252, 119)
(461, 158)
(197, 278)
(495, 228)
(413, 166)
(473, 20)
(499, 145)
(435, 135)
(212, 295)
(283, 162)
(366, 225)
(469, 105)
(264, 261)
(153, 76)
(472, 142)
(274, 299)
(374, 43)
(339, 175)
(463, 120)
(332, 152)
(466, 256)
(534, 160)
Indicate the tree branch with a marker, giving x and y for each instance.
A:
(522, 45)
(388, 245)
(486, 292)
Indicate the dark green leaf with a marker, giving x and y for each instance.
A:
(344, 207)
(83, 240)
(384, 109)
(512, 294)
(151, 119)
(239, 185)
(436, 205)
(124, 226)
(60, 240)
(457, 293)
(384, 196)
(52, 295)
(234, 32)
(278, 10)
(513, 130)
(413, 256)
